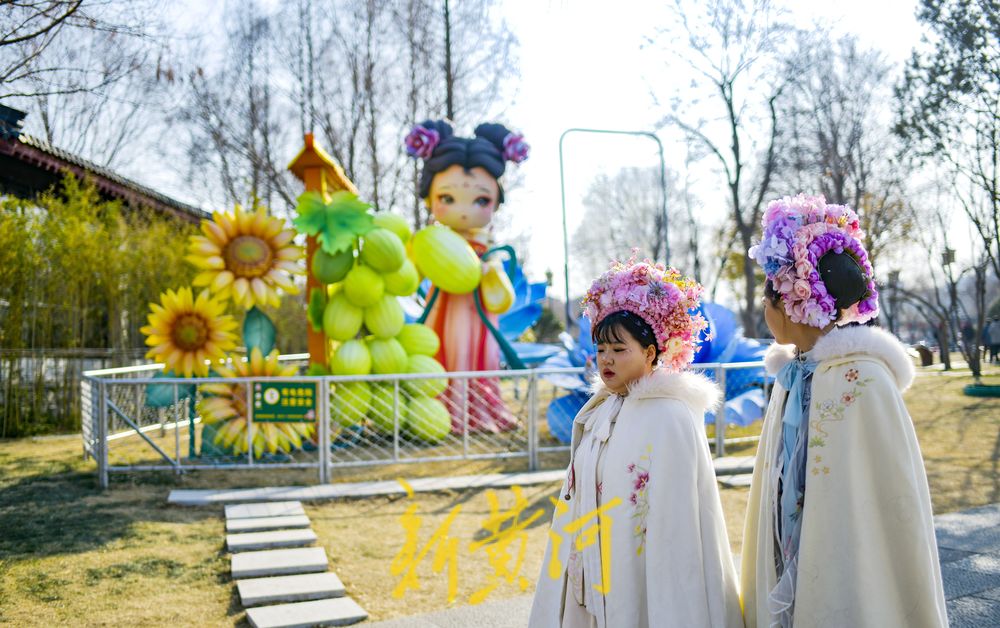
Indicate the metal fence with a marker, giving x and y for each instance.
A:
(133, 421)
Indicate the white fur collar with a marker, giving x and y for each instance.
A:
(697, 391)
(846, 341)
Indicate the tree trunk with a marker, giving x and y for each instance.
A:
(749, 286)
(942, 338)
(449, 78)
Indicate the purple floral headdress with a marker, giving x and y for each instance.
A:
(421, 141)
(659, 295)
(798, 232)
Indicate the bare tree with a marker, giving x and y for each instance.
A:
(835, 138)
(949, 107)
(89, 74)
(624, 211)
(731, 45)
(392, 71)
(238, 143)
(36, 35)
(357, 73)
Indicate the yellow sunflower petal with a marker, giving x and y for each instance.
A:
(260, 289)
(290, 253)
(283, 238)
(273, 227)
(216, 389)
(227, 222)
(242, 221)
(185, 299)
(288, 266)
(187, 364)
(201, 245)
(214, 232)
(210, 262)
(204, 278)
(256, 361)
(222, 280)
(240, 289)
(171, 360)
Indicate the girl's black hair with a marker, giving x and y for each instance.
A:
(485, 150)
(842, 276)
(772, 295)
(610, 330)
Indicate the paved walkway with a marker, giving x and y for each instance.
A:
(969, 545)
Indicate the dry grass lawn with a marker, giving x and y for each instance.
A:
(71, 554)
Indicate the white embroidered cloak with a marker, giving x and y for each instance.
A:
(867, 552)
(670, 561)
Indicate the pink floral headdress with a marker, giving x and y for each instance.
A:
(798, 232)
(659, 295)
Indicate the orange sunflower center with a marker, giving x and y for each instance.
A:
(248, 256)
(190, 332)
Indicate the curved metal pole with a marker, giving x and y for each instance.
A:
(562, 187)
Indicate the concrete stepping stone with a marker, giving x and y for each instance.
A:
(272, 539)
(736, 481)
(279, 589)
(733, 465)
(261, 524)
(264, 509)
(340, 611)
(281, 562)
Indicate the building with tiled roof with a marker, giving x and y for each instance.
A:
(29, 166)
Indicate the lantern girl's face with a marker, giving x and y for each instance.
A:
(463, 199)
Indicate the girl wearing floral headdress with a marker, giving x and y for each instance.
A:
(460, 184)
(839, 528)
(638, 536)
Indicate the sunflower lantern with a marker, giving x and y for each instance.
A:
(245, 256)
(185, 332)
(223, 407)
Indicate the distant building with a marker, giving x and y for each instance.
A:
(30, 166)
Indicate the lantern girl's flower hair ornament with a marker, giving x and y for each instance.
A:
(426, 136)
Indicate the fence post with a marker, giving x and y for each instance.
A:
(87, 392)
(465, 417)
(395, 419)
(102, 435)
(720, 414)
(532, 422)
(177, 430)
(250, 428)
(323, 394)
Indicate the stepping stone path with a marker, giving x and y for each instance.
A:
(736, 481)
(261, 524)
(270, 539)
(282, 582)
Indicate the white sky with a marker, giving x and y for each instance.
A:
(581, 66)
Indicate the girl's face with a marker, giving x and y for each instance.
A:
(623, 361)
(463, 200)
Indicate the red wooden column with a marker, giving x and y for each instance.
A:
(320, 173)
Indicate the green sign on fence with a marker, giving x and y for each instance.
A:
(284, 402)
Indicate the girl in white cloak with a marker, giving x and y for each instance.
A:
(839, 528)
(638, 537)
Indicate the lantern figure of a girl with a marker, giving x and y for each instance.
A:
(460, 184)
